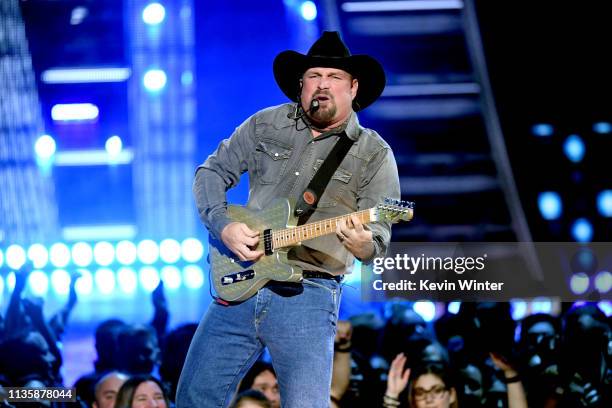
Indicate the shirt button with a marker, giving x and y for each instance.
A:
(297, 173)
(275, 154)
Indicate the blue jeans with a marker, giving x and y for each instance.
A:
(296, 322)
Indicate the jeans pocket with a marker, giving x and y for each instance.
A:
(332, 287)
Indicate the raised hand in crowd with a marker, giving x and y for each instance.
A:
(516, 392)
(161, 314)
(397, 380)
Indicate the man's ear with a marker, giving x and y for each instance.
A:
(354, 87)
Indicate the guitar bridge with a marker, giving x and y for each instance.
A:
(237, 277)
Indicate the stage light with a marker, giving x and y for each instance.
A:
(59, 254)
(579, 283)
(171, 277)
(60, 281)
(426, 309)
(542, 130)
(15, 257)
(153, 14)
(68, 112)
(603, 282)
(549, 203)
(169, 251)
(10, 281)
(193, 276)
(148, 251)
(604, 203)
(105, 281)
(78, 15)
(154, 80)
(400, 5)
(519, 310)
(308, 10)
(127, 280)
(113, 146)
(574, 148)
(149, 278)
(602, 127)
(606, 307)
(187, 78)
(82, 254)
(1, 258)
(541, 305)
(582, 230)
(39, 255)
(39, 283)
(45, 147)
(84, 284)
(126, 252)
(104, 253)
(453, 307)
(1, 287)
(85, 75)
(192, 250)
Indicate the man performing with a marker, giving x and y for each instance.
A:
(282, 148)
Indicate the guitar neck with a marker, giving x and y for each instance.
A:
(292, 236)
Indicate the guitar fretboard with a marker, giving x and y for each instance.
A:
(292, 236)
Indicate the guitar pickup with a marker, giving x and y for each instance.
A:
(237, 277)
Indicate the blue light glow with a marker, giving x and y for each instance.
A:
(549, 203)
(193, 276)
(149, 278)
(10, 281)
(60, 281)
(604, 203)
(574, 148)
(1, 258)
(1, 287)
(154, 80)
(105, 281)
(45, 147)
(126, 252)
(148, 252)
(170, 251)
(426, 309)
(84, 284)
(113, 146)
(127, 280)
(582, 230)
(59, 254)
(74, 112)
(542, 130)
(153, 14)
(603, 282)
(602, 127)
(39, 283)
(192, 250)
(541, 305)
(15, 257)
(85, 75)
(308, 10)
(453, 307)
(519, 310)
(579, 283)
(606, 307)
(171, 277)
(38, 254)
(82, 254)
(104, 253)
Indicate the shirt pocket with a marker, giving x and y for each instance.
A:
(271, 158)
(338, 185)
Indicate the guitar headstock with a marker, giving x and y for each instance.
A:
(393, 211)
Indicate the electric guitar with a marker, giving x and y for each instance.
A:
(236, 280)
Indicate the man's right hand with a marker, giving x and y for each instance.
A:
(239, 238)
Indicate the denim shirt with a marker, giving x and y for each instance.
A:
(281, 156)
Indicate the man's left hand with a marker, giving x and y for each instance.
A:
(355, 237)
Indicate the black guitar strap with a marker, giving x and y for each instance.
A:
(307, 203)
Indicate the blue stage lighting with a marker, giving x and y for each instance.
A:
(60, 281)
(187, 78)
(59, 254)
(126, 252)
(603, 282)
(582, 230)
(453, 307)
(39, 283)
(193, 276)
(1, 287)
(39, 255)
(82, 254)
(606, 307)
(1, 258)
(45, 147)
(127, 280)
(84, 285)
(171, 277)
(602, 127)
(149, 278)
(604, 203)
(549, 203)
(192, 250)
(308, 10)
(153, 14)
(579, 283)
(574, 148)
(104, 253)
(170, 251)
(113, 146)
(541, 305)
(519, 310)
(105, 281)
(426, 309)
(15, 257)
(542, 130)
(154, 80)
(77, 112)
(148, 252)
(10, 281)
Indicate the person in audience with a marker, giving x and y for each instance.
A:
(142, 391)
(107, 388)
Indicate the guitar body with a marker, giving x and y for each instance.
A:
(235, 280)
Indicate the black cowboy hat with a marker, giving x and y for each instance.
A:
(330, 52)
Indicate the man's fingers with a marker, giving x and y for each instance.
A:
(357, 223)
(249, 232)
